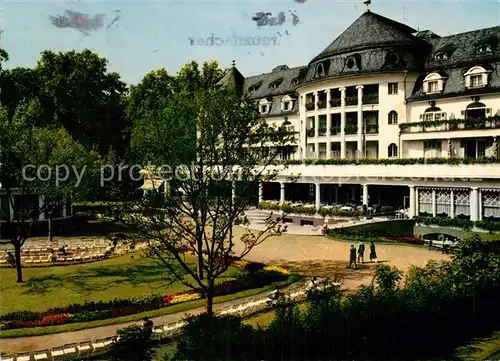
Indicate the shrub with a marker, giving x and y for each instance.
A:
(134, 344)
(215, 338)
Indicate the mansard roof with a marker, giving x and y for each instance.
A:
(462, 48)
(462, 51)
(281, 76)
(369, 31)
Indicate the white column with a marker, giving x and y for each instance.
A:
(361, 151)
(64, 211)
(318, 196)
(365, 195)
(480, 205)
(328, 124)
(261, 192)
(452, 201)
(282, 192)
(474, 203)
(412, 210)
(316, 135)
(316, 99)
(11, 208)
(417, 203)
(434, 212)
(41, 215)
(342, 124)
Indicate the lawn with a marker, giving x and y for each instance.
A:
(121, 277)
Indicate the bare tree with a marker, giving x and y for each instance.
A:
(225, 151)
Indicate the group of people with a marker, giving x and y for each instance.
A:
(359, 256)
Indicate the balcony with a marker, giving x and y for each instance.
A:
(370, 99)
(335, 131)
(321, 104)
(372, 129)
(451, 125)
(335, 103)
(309, 106)
(351, 101)
(322, 131)
(351, 129)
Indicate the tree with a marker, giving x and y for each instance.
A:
(83, 97)
(30, 156)
(134, 344)
(199, 212)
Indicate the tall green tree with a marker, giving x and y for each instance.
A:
(88, 101)
(200, 210)
(33, 161)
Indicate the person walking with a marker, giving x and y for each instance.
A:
(147, 324)
(352, 256)
(373, 253)
(361, 252)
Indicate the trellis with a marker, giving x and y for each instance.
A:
(462, 203)
(425, 201)
(443, 202)
(491, 203)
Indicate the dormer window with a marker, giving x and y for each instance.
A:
(295, 81)
(286, 103)
(485, 48)
(441, 56)
(476, 77)
(275, 84)
(433, 83)
(255, 87)
(432, 86)
(320, 70)
(265, 106)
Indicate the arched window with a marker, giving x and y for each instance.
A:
(393, 150)
(393, 117)
(476, 77)
(433, 83)
(320, 70)
(433, 113)
(475, 110)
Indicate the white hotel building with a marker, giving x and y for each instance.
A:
(382, 90)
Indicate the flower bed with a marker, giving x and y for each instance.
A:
(255, 277)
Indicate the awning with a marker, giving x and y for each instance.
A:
(150, 184)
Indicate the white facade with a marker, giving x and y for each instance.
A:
(441, 107)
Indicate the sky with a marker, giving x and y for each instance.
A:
(155, 34)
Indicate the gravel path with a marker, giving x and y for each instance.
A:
(308, 255)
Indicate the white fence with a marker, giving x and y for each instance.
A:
(172, 329)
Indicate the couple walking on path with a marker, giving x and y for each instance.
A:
(361, 254)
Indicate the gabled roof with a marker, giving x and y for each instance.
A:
(233, 78)
(371, 30)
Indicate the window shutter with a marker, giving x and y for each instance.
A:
(440, 85)
(421, 116)
(426, 87)
(467, 81)
(443, 116)
(463, 113)
(488, 111)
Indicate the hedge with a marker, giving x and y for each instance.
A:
(311, 210)
(489, 225)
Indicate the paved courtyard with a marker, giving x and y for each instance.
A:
(322, 256)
